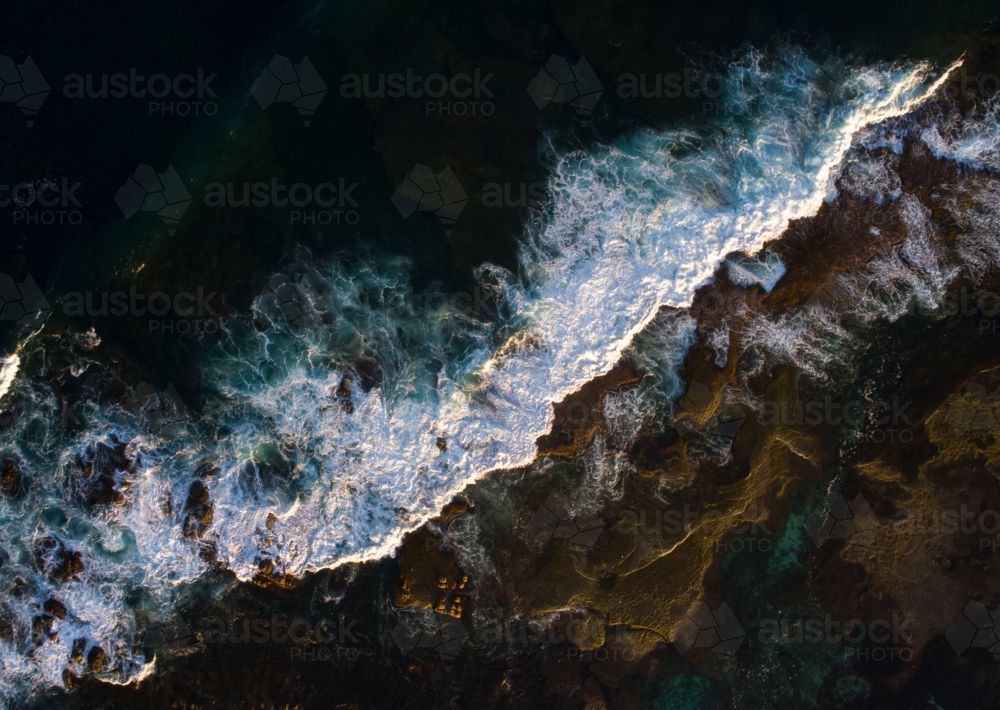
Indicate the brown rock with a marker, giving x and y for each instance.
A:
(343, 394)
(55, 607)
(6, 629)
(269, 574)
(10, 477)
(55, 559)
(199, 511)
(429, 577)
(41, 628)
(79, 646)
(96, 659)
(104, 469)
(579, 414)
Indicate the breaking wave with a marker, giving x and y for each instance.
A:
(344, 412)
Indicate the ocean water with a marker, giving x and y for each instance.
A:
(337, 422)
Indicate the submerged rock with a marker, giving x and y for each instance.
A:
(198, 511)
(270, 572)
(104, 468)
(10, 477)
(343, 394)
(54, 559)
(79, 646)
(41, 629)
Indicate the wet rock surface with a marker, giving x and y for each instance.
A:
(11, 478)
(198, 511)
(739, 513)
(103, 470)
(430, 576)
(56, 559)
(660, 589)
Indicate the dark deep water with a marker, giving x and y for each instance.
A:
(400, 304)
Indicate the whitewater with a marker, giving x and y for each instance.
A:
(313, 466)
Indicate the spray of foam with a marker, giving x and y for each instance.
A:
(8, 372)
(309, 469)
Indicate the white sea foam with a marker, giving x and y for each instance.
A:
(631, 227)
(977, 143)
(765, 271)
(8, 371)
(913, 277)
